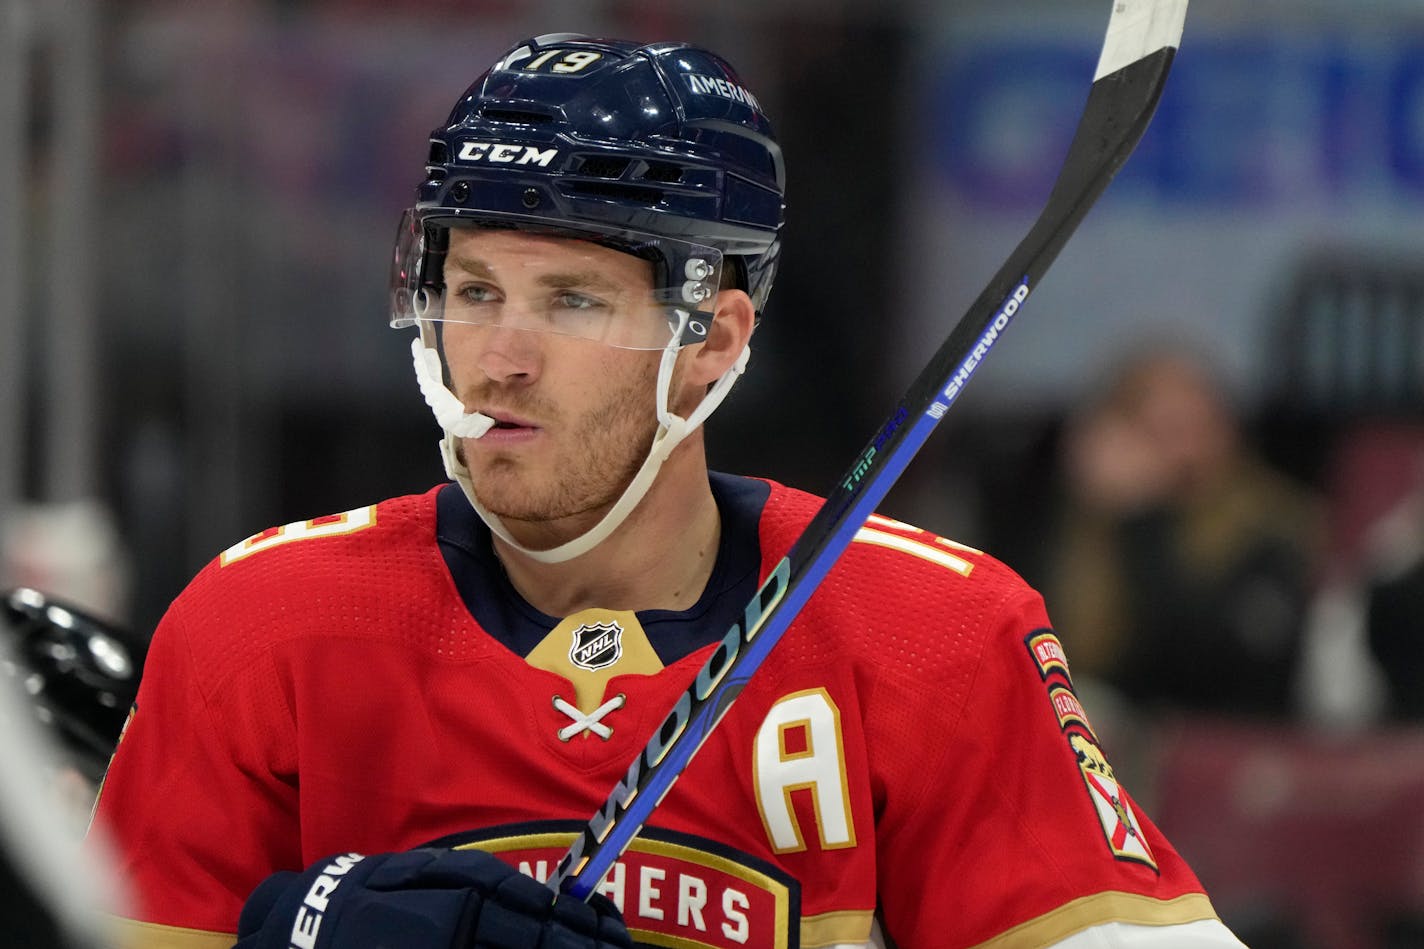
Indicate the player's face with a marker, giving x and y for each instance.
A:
(574, 417)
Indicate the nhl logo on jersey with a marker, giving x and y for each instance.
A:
(596, 646)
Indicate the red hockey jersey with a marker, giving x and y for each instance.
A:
(912, 756)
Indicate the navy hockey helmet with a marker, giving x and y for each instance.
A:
(654, 150)
(608, 137)
(76, 670)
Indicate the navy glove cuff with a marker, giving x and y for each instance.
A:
(440, 899)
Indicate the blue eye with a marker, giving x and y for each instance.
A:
(578, 301)
(476, 293)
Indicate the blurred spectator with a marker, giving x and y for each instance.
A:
(1396, 638)
(1183, 563)
(1364, 648)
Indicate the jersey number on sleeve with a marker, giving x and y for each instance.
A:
(888, 532)
(329, 526)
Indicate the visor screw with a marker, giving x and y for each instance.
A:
(530, 199)
(460, 192)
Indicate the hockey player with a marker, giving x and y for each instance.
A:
(388, 696)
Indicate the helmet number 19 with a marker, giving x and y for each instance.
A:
(572, 60)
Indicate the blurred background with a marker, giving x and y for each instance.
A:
(1202, 439)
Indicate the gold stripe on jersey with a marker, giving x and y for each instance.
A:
(1099, 909)
(841, 928)
(133, 934)
(553, 654)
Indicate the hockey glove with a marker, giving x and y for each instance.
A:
(422, 899)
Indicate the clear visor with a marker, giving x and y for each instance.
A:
(617, 287)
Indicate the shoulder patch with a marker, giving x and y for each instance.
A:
(1047, 653)
(1120, 825)
(1070, 711)
(1121, 828)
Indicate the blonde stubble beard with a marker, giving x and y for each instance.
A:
(587, 478)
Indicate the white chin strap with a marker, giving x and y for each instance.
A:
(458, 424)
(449, 411)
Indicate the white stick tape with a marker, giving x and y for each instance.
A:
(1139, 28)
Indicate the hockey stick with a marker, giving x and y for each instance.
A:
(1142, 38)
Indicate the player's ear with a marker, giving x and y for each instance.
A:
(732, 323)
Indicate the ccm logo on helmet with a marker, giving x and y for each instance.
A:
(506, 154)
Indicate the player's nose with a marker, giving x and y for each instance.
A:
(509, 353)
